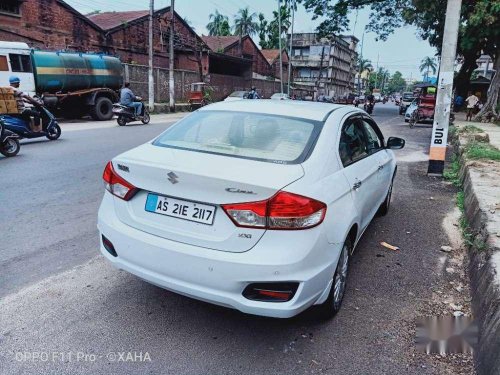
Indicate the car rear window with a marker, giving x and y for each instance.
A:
(408, 96)
(277, 139)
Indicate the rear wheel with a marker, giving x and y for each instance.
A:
(54, 132)
(331, 306)
(384, 207)
(102, 109)
(10, 147)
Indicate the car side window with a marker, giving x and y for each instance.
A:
(352, 145)
(374, 143)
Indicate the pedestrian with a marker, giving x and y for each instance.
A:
(459, 102)
(471, 101)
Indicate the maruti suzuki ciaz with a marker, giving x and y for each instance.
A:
(255, 205)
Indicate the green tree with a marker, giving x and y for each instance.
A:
(218, 25)
(396, 83)
(273, 31)
(244, 23)
(363, 65)
(479, 26)
(262, 31)
(426, 65)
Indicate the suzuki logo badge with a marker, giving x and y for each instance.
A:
(172, 177)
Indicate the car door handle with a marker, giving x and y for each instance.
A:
(357, 185)
(380, 167)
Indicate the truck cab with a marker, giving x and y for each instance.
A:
(15, 59)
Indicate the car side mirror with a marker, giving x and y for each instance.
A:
(395, 143)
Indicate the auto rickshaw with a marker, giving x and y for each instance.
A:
(426, 101)
(198, 95)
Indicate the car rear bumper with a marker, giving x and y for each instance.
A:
(220, 277)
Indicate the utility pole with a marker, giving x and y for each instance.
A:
(281, 58)
(376, 75)
(360, 59)
(439, 138)
(151, 83)
(290, 49)
(171, 83)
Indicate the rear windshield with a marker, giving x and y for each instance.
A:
(408, 96)
(276, 139)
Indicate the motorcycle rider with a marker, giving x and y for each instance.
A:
(253, 93)
(128, 99)
(370, 99)
(25, 103)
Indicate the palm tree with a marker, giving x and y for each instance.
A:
(217, 24)
(244, 23)
(427, 64)
(362, 66)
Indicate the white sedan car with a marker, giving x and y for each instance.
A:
(255, 205)
(280, 96)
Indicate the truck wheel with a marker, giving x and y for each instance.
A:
(102, 109)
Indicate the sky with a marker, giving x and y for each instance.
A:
(403, 51)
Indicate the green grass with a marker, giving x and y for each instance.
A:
(452, 172)
(476, 150)
(470, 129)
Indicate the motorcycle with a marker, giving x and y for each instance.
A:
(9, 144)
(127, 114)
(369, 107)
(22, 126)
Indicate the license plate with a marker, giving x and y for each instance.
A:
(180, 208)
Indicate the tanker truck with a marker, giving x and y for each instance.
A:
(71, 84)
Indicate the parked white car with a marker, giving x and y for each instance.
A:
(236, 95)
(255, 205)
(280, 96)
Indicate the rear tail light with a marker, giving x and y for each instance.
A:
(116, 184)
(271, 292)
(282, 211)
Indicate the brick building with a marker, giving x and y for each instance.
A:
(273, 58)
(49, 24)
(247, 50)
(127, 36)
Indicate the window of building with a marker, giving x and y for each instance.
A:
(305, 73)
(4, 67)
(10, 7)
(20, 63)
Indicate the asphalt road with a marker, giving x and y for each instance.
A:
(59, 297)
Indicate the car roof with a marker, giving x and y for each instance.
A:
(292, 108)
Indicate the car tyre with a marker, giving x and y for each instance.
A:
(384, 207)
(331, 306)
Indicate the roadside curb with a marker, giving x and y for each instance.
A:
(484, 260)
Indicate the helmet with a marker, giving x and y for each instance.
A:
(14, 79)
(254, 88)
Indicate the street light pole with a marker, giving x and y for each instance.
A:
(279, 40)
(151, 89)
(439, 138)
(171, 83)
(290, 49)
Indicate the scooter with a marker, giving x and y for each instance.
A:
(9, 144)
(369, 107)
(127, 114)
(22, 127)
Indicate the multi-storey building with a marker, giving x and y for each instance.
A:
(327, 65)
